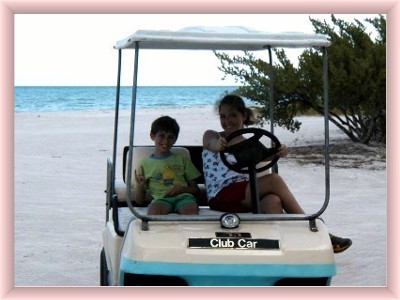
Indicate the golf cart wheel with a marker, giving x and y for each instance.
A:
(103, 269)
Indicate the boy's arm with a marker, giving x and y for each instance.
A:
(140, 188)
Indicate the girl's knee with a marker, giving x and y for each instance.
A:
(272, 204)
(270, 178)
(273, 199)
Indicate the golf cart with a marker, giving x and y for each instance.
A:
(212, 248)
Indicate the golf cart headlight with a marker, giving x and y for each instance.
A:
(229, 221)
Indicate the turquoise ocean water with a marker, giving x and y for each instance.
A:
(70, 98)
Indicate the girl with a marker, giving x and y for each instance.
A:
(228, 190)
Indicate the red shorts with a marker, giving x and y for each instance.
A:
(230, 197)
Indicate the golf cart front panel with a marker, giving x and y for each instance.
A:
(227, 257)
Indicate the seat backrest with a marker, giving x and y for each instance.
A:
(263, 173)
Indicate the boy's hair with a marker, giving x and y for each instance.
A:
(166, 124)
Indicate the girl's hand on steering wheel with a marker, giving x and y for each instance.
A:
(282, 151)
(220, 144)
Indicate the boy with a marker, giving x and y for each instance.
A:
(168, 176)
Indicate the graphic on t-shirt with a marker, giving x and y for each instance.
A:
(167, 176)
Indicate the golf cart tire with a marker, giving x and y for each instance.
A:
(321, 281)
(153, 280)
(104, 272)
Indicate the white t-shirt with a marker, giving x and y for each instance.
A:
(216, 174)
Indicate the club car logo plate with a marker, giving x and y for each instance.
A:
(233, 243)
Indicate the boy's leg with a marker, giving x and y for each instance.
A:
(188, 209)
(186, 205)
(157, 208)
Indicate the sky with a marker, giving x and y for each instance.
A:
(69, 50)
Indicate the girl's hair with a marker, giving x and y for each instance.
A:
(237, 103)
(166, 124)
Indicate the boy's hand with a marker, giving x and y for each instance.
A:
(139, 178)
(176, 190)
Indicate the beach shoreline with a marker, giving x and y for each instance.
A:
(60, 178)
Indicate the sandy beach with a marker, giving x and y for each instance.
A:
(60, 178)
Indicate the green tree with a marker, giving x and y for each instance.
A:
(357, 80)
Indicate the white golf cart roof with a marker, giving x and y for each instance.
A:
(220, 38)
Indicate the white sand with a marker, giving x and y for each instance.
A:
(60, 177)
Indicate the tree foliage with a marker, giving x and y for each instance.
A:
(357, 80)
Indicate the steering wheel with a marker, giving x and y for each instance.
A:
(251, 151)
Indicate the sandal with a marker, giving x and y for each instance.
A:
(339, 244)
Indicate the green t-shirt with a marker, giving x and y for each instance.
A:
(162, 173)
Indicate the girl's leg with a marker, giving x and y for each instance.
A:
(271, 204)
(274, 184)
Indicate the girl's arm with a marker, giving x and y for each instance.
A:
(213, 141)
(282, 151)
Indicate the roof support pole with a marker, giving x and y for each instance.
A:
(271, 90)
(271, 100)
(326, 123)
(111, 164)
(132, 128)
(326, 129)
(116, 118)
